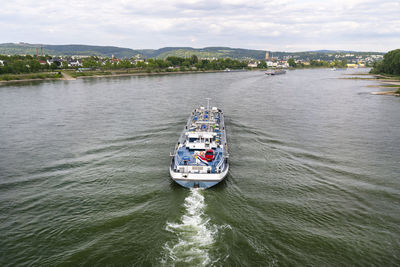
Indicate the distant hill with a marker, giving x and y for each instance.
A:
(66, 50)
(333, 51)
(108, 51)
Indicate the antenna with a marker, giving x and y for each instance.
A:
(208, 103)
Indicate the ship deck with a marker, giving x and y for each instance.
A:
(187, 157)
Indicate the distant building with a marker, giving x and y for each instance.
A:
(270, 63)
(115, 60)
(283, 64)
(352, 65)
(266, 56)
(1, 63)
(252, 64)
(75, 63)
(136, 61)
(57, 61)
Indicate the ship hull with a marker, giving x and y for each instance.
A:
(193, 180)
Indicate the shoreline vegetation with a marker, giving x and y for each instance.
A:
(17, 68)
(70, 75)
(387, 71)
(6, 78)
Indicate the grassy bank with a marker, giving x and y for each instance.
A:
(132, 71)
(391, 81)
(387, 76)
(75, 74)
(71, 74)
(30, 76)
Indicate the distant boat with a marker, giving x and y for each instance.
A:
(227, 69)
(275, 72)
(333, 68)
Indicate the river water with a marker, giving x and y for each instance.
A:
(314, 172)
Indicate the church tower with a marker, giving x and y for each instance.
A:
(266, 55)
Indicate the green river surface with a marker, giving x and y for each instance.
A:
(314, 175)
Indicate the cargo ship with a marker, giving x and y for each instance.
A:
(200, 158)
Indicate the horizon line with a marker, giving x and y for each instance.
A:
(264, 50)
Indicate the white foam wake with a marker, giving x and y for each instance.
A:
(195, 235)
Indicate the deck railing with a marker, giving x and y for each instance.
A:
(220, 164)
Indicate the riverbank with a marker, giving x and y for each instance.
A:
(11, 78)
(387, 81)
(393, 93)
(144, 74)
(68, 75)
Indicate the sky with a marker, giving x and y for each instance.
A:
(274, 25)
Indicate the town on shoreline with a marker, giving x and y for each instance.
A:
(39, 66)
(15, 68)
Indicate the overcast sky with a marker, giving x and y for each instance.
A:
(277, 25)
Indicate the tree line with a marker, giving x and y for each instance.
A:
(389, 65)
(171, 63)
(17, 64)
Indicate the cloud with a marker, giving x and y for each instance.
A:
(270, 25)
